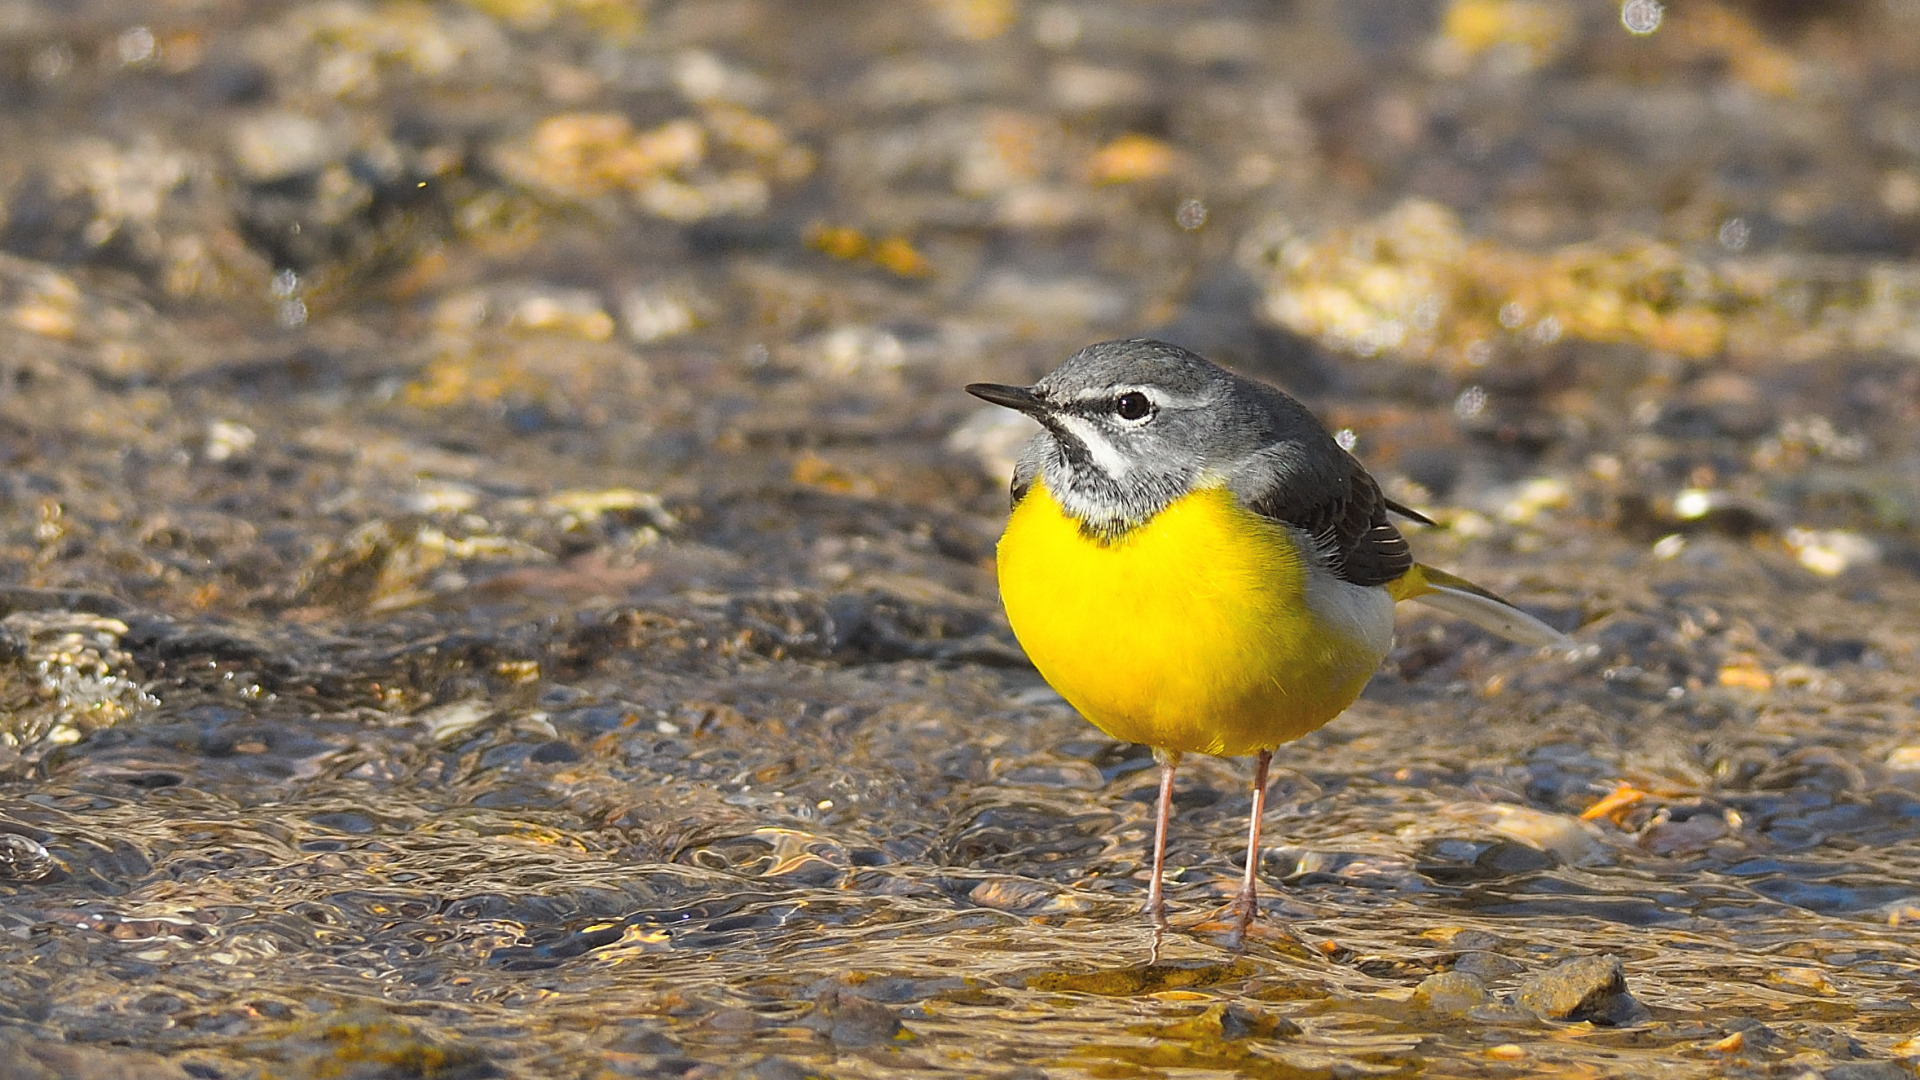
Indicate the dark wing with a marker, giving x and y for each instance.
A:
(1409, 513)
(1348, 523)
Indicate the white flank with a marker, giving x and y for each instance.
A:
(1360, 613)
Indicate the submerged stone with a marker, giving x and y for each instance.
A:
(1592, 988)
(1451, 993)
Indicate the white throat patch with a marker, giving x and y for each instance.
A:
(1106, 457)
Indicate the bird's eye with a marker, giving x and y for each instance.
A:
(1132, 406)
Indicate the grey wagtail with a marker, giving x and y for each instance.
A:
(1195, 564)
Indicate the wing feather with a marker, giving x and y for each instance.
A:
(1348, 522)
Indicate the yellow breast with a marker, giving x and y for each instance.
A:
(1198, 631)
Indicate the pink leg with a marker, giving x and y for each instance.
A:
(1156, 897)
(1245, 904)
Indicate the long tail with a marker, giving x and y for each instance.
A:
(1458, 596)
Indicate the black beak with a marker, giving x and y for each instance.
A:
(1017, 398)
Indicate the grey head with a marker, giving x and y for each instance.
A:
(1130, 426)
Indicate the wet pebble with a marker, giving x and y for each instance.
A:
(23, 858)
(32, 1059)
(1567, 838)
(368, 1044)
(278, 144)
(1231, 1021)
(1368, 870)
(1723, 404)
(1668, 834)
(1451, 993)
(1456, 861)
(1012, 894)
(1868, 1070)
(1753, 1034)
(644, 1037)
(63, 675)
(1486, 965)
(851, 1021)
(731, 1021)
(779, 1068)
(1585, 988)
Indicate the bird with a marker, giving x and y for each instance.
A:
(1195, 565)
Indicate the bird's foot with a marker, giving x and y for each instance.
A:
(1237, 924)
(1236, 918)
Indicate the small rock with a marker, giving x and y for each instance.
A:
(1571, 840)
(778, 1068)
(643, 1037)
(366, 1042)
(1231, 1022)
(1904, 759)
(733, 1021)
(851, 1021)
(1802, 978)
(1473, 939)
(1565, 837)
(1868, 1070)
(1012, 894)
(1592, 988)
(1500, 1012)
(273, 146)
(1753, 1034)
(1450, 993)
(1830, 552)
(34, 1059)
(1831, 1041)
(23, 858)
(1667, 836)
(1487, 965)
(1719, 406)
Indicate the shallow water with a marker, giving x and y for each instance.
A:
(497, 566)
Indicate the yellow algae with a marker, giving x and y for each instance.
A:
(1725, 34)
(1525, 33)
(1744, 676)
(596, 153)
(1413, 283)
(897, 255)
(722, 161)
(1131, 158)
(977, 20)
(619, 21)
(894, 254)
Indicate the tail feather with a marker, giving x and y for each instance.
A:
(1458, 596)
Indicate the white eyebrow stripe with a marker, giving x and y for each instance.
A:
(1160, 398)
(1106, 457)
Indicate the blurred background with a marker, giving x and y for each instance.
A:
(496, 567)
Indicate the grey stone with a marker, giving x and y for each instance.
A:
(1451, 993)
(1592, 988)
